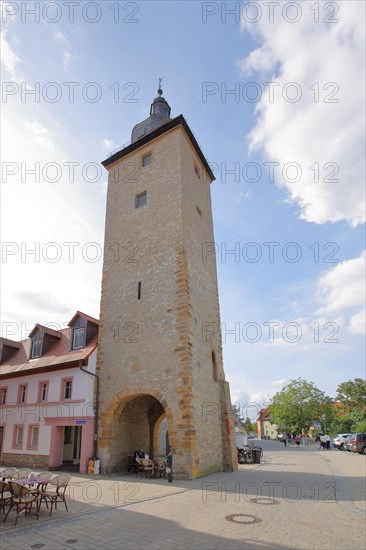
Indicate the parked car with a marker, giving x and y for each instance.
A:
(339, 440)
(357, 443)
(346, 444)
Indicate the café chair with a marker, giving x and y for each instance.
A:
(22, 498)
(55, 491)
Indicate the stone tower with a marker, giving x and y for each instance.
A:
(160, 353)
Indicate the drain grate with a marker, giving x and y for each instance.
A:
(39, 545)
(243, 519)
(71, 541)
(265, 501)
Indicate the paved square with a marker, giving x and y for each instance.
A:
(296, 498)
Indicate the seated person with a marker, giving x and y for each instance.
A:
(137, 455)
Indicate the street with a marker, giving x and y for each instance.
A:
(298, 497)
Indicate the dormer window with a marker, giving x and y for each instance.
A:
(41, 339)
(83, 329)
(36, 348)
(78, 338)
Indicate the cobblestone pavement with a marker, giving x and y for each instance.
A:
(296, 498)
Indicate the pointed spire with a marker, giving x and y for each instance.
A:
(159, 115)
(160, 106)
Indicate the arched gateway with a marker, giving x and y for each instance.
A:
(135, 420)
(160, 353)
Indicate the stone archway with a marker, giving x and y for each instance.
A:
(132, 422)
(160, 437)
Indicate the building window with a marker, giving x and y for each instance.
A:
(42, 391)
(22, 393)
(141, 199)
(146, 160)
(199, 210)
(18, 437)
(33, 437)
(139, 291)
(36, 348)
(67, 389)
(78, 339)
(197, 171)
(3, 392)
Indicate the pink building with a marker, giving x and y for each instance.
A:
(47, 398)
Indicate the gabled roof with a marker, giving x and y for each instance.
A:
(84, 316)
(173, 123)
(45, 330)
(263, 414)
(10, 343)
(59, 354)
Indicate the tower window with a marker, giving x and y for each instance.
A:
(139, 291)
(199, 210)
(146, 160)
(214, 367)
(197, 171)
(141, 199)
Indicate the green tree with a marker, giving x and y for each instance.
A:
(351, 406)
(298, 405)
(248, 425)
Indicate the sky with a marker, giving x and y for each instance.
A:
(274, 92)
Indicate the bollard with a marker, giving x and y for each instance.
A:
(169, 468)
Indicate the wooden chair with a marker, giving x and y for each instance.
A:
(160, 468)
(55, 491)
(5, 495)
(23, 499)
(46, 476)
(24, 472)
(147, 467)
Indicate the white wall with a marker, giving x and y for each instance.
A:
(31, 412)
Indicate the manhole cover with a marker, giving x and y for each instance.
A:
(244, 519)
(39, 545)
(266, 501)
(71, 541)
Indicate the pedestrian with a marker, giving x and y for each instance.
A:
(297, 439)
(323, 442)
(327, 441)
(284, 439)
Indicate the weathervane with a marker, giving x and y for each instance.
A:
(160, 91)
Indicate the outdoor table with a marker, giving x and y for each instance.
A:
(30, 480)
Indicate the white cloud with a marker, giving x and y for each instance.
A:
(40, 133)
(279, 382)
(357, 323)
(307, 132)
(59, 37)
(342, 287)
(108, 145)
(67, 56)
(9, 58)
